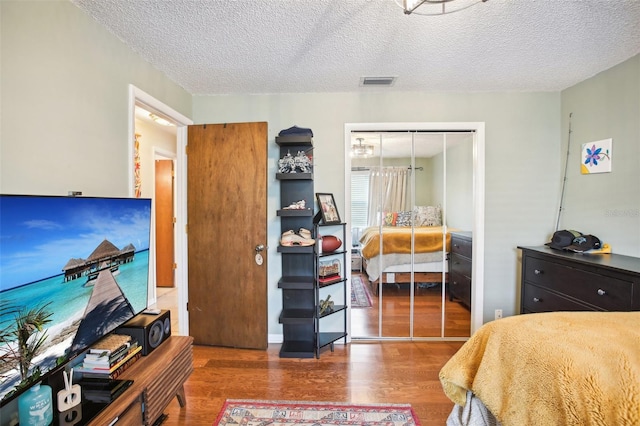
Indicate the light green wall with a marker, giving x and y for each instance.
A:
(606, 205)
(459, 185)
(519, 127)
(64, 84)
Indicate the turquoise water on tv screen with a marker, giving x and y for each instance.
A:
(67, 299)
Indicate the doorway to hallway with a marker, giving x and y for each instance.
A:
(138, 98)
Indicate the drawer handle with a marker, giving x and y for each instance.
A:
(535, 299)
(601, 292)
(537, 271)
(455, 245)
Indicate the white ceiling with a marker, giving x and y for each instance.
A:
(214, 47)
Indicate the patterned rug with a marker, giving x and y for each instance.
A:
(360, 296)
(301, 413)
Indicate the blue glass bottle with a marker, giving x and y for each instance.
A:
(35, 406)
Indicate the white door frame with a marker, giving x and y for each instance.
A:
(137, 96)
(477, 268)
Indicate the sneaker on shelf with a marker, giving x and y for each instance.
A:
(296, 205)
(304, 233)
(290, 238)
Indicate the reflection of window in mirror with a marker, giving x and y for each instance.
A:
(359, 204)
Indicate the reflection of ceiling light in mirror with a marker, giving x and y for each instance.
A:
(360, 150)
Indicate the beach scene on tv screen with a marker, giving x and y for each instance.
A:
(76, 266)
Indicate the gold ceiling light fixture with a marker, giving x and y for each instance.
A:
(361, 150)
(435, 7)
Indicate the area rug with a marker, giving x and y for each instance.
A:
(360, 296)
(307, 413)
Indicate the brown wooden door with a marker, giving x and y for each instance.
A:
(164, 223)
(227, 219)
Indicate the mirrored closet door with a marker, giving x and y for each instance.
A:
(411, 211)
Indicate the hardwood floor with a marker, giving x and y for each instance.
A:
(389, 372)
(364, 322)
(361, 372)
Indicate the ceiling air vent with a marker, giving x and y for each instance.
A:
(377, 81)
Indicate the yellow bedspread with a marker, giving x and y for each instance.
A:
(560, 368)
(398, 240)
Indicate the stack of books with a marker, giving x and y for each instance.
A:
(110, 357)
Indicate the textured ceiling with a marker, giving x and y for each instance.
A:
(298, 46)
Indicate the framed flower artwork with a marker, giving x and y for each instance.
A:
(595, 157)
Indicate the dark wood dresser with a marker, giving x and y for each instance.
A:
(555, 280)
(460, 267)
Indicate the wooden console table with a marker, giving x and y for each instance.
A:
(157, 379)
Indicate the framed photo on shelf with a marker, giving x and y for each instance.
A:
(328, 208)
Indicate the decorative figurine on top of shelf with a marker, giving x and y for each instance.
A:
(298, 164)
(326, 305)
(303, 163)
(286, 164)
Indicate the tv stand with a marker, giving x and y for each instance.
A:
(157, 379)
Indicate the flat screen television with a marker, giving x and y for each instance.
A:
(81, 263)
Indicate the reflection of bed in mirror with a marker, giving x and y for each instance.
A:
(394, 265)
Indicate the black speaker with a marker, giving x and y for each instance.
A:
(148, 329)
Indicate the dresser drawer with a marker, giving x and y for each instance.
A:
(460, 288)
(537, 299)
(461, 246)
(460, 264)
(606, 292)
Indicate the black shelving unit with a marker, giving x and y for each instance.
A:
(298, 316)
(337, 283)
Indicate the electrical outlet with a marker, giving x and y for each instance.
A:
(498, 313)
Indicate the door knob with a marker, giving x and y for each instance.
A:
(258, 257)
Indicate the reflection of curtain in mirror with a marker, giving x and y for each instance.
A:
(387, 191)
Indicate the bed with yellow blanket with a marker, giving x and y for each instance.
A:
(556, 368)
(394, 264)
